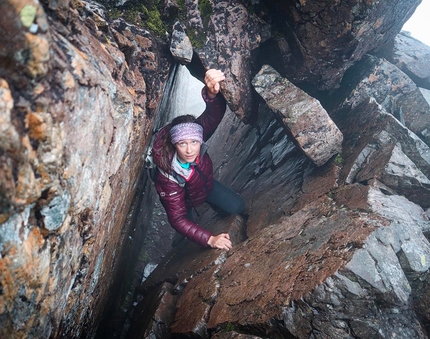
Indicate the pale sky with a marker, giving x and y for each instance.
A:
(419, 23)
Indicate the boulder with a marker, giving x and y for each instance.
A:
(412, 57)
(303, 116)
(180, 45)
(387, 151)
(389, 86)
(224, 35)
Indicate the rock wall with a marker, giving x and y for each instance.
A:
(334, 240)
(78, 97)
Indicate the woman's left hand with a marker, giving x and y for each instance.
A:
(212, 79)
(221, 241)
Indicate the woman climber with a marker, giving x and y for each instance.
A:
(184, 179)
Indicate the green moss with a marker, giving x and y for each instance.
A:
(114, 13)
(143, 13)
(155, 24)
(206, 10)
(197, 38)
(230, 327)
(338, 161)
(181, 9)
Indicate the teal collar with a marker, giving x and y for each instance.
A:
(186, 165)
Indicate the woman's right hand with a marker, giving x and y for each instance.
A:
(221, 241)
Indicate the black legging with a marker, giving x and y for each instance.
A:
(224, 198)
(220, 198)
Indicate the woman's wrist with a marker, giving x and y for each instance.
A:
(210, 241)
(206, 96)
(211, 95)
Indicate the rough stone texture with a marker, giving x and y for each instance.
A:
(376, 153)
(390, 87)
(326, 256)
(387, 266)
(328, 37)
(76, 112)
(412, 57)
(309, 123)
(236, 33)
(180, 45)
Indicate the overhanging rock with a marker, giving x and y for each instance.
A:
(180, 45)
(309, 123)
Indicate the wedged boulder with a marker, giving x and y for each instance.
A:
(387, 151)
(180, 44)
(303, 116)
(412, 57)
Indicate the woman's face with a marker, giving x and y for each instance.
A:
(188, 150)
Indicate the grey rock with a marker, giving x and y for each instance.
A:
(180, 45)
(412, 57)
(387, 151)
(309, 123)
(55, 212)
(390, 87)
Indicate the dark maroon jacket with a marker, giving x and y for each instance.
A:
(177, 198)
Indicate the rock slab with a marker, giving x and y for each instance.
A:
(309, 123)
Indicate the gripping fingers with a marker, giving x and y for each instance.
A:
(212, 79)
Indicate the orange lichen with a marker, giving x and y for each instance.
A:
(36, 126)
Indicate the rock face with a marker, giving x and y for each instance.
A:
(303, 116)
(309, 28)
(75, 115)
(412, 57)
(327, 247)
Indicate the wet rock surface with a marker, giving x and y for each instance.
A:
(329, 37)
(412, 56)
(401, 97)
(303, 116)
(331, 248)
(75, 126)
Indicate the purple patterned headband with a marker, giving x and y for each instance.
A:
(186, 131)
